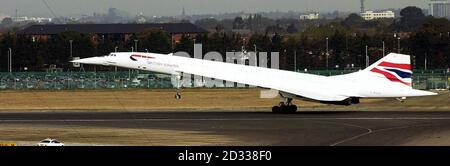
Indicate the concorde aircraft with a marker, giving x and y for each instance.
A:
(389, 77)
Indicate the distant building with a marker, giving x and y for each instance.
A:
(439, 8)
(312, 16)
(140, 19)
(32, 19)
(2, 16)
(370, 15)
(114, 32)
(113, 12)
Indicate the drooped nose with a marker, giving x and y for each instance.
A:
(91, 61)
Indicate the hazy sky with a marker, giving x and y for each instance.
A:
(173, 7)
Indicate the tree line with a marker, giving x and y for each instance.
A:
(424, 38)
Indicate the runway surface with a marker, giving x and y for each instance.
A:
(259, 128)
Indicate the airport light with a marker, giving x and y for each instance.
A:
(71, 42)
(115, 67)
(384, 52)
(136, 45)
(398, 42)
(146, 50)
(327, 53)
(285, 53)
(367, 56)
(233, 58)
(295, 60)
(10, 60)
(171, 43)
(256, 56)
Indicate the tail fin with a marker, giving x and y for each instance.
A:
(394, 67)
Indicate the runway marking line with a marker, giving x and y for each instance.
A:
(350, 125)
(221, 119)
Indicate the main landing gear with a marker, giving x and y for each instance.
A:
(178, 94)
(285, 107)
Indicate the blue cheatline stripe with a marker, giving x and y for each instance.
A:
(401, 73)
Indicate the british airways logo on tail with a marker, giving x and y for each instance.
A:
(395, 72)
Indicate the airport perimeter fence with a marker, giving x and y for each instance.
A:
(430, 79)
(82, 80)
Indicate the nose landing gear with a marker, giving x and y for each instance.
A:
(178, 95)
(178, 86)
(285, 107)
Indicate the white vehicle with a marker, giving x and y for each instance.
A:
(50, 142)
(389, 77)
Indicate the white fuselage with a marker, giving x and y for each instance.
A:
(321, 88)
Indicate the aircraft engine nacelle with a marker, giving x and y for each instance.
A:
(346, 102)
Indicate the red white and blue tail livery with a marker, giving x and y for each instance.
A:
(391, 76)
(395, 67)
